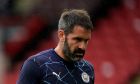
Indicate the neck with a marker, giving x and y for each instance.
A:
(59, 51)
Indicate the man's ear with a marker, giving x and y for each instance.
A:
(61, 35)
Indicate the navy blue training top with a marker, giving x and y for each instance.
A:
(47, 67)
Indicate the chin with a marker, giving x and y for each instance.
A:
(77, 59)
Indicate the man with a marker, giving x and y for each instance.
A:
(63, 64)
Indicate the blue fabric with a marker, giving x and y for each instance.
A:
(47, 67)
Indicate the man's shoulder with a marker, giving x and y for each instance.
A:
(42, 56)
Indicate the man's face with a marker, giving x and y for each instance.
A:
(75, 43)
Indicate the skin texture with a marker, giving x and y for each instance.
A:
(72, 47)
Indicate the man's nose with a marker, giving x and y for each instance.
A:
(82, 45)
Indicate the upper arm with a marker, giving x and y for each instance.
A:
(30, 73)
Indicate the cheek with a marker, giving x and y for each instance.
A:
(73, 47)
(72, 44)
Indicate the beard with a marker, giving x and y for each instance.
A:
(72, 56)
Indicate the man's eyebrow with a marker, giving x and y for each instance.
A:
(80, 38)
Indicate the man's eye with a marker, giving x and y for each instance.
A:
(79, 39)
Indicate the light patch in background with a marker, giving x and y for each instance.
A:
(130, 4)
(107, 69)
(16, 34)
(3, 62)
(136, 23)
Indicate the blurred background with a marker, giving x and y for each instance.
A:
(29, 26)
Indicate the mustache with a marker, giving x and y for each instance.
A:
(79, 51)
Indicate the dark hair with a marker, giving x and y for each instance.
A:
(71, 18)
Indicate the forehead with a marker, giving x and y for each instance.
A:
(79, 31)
